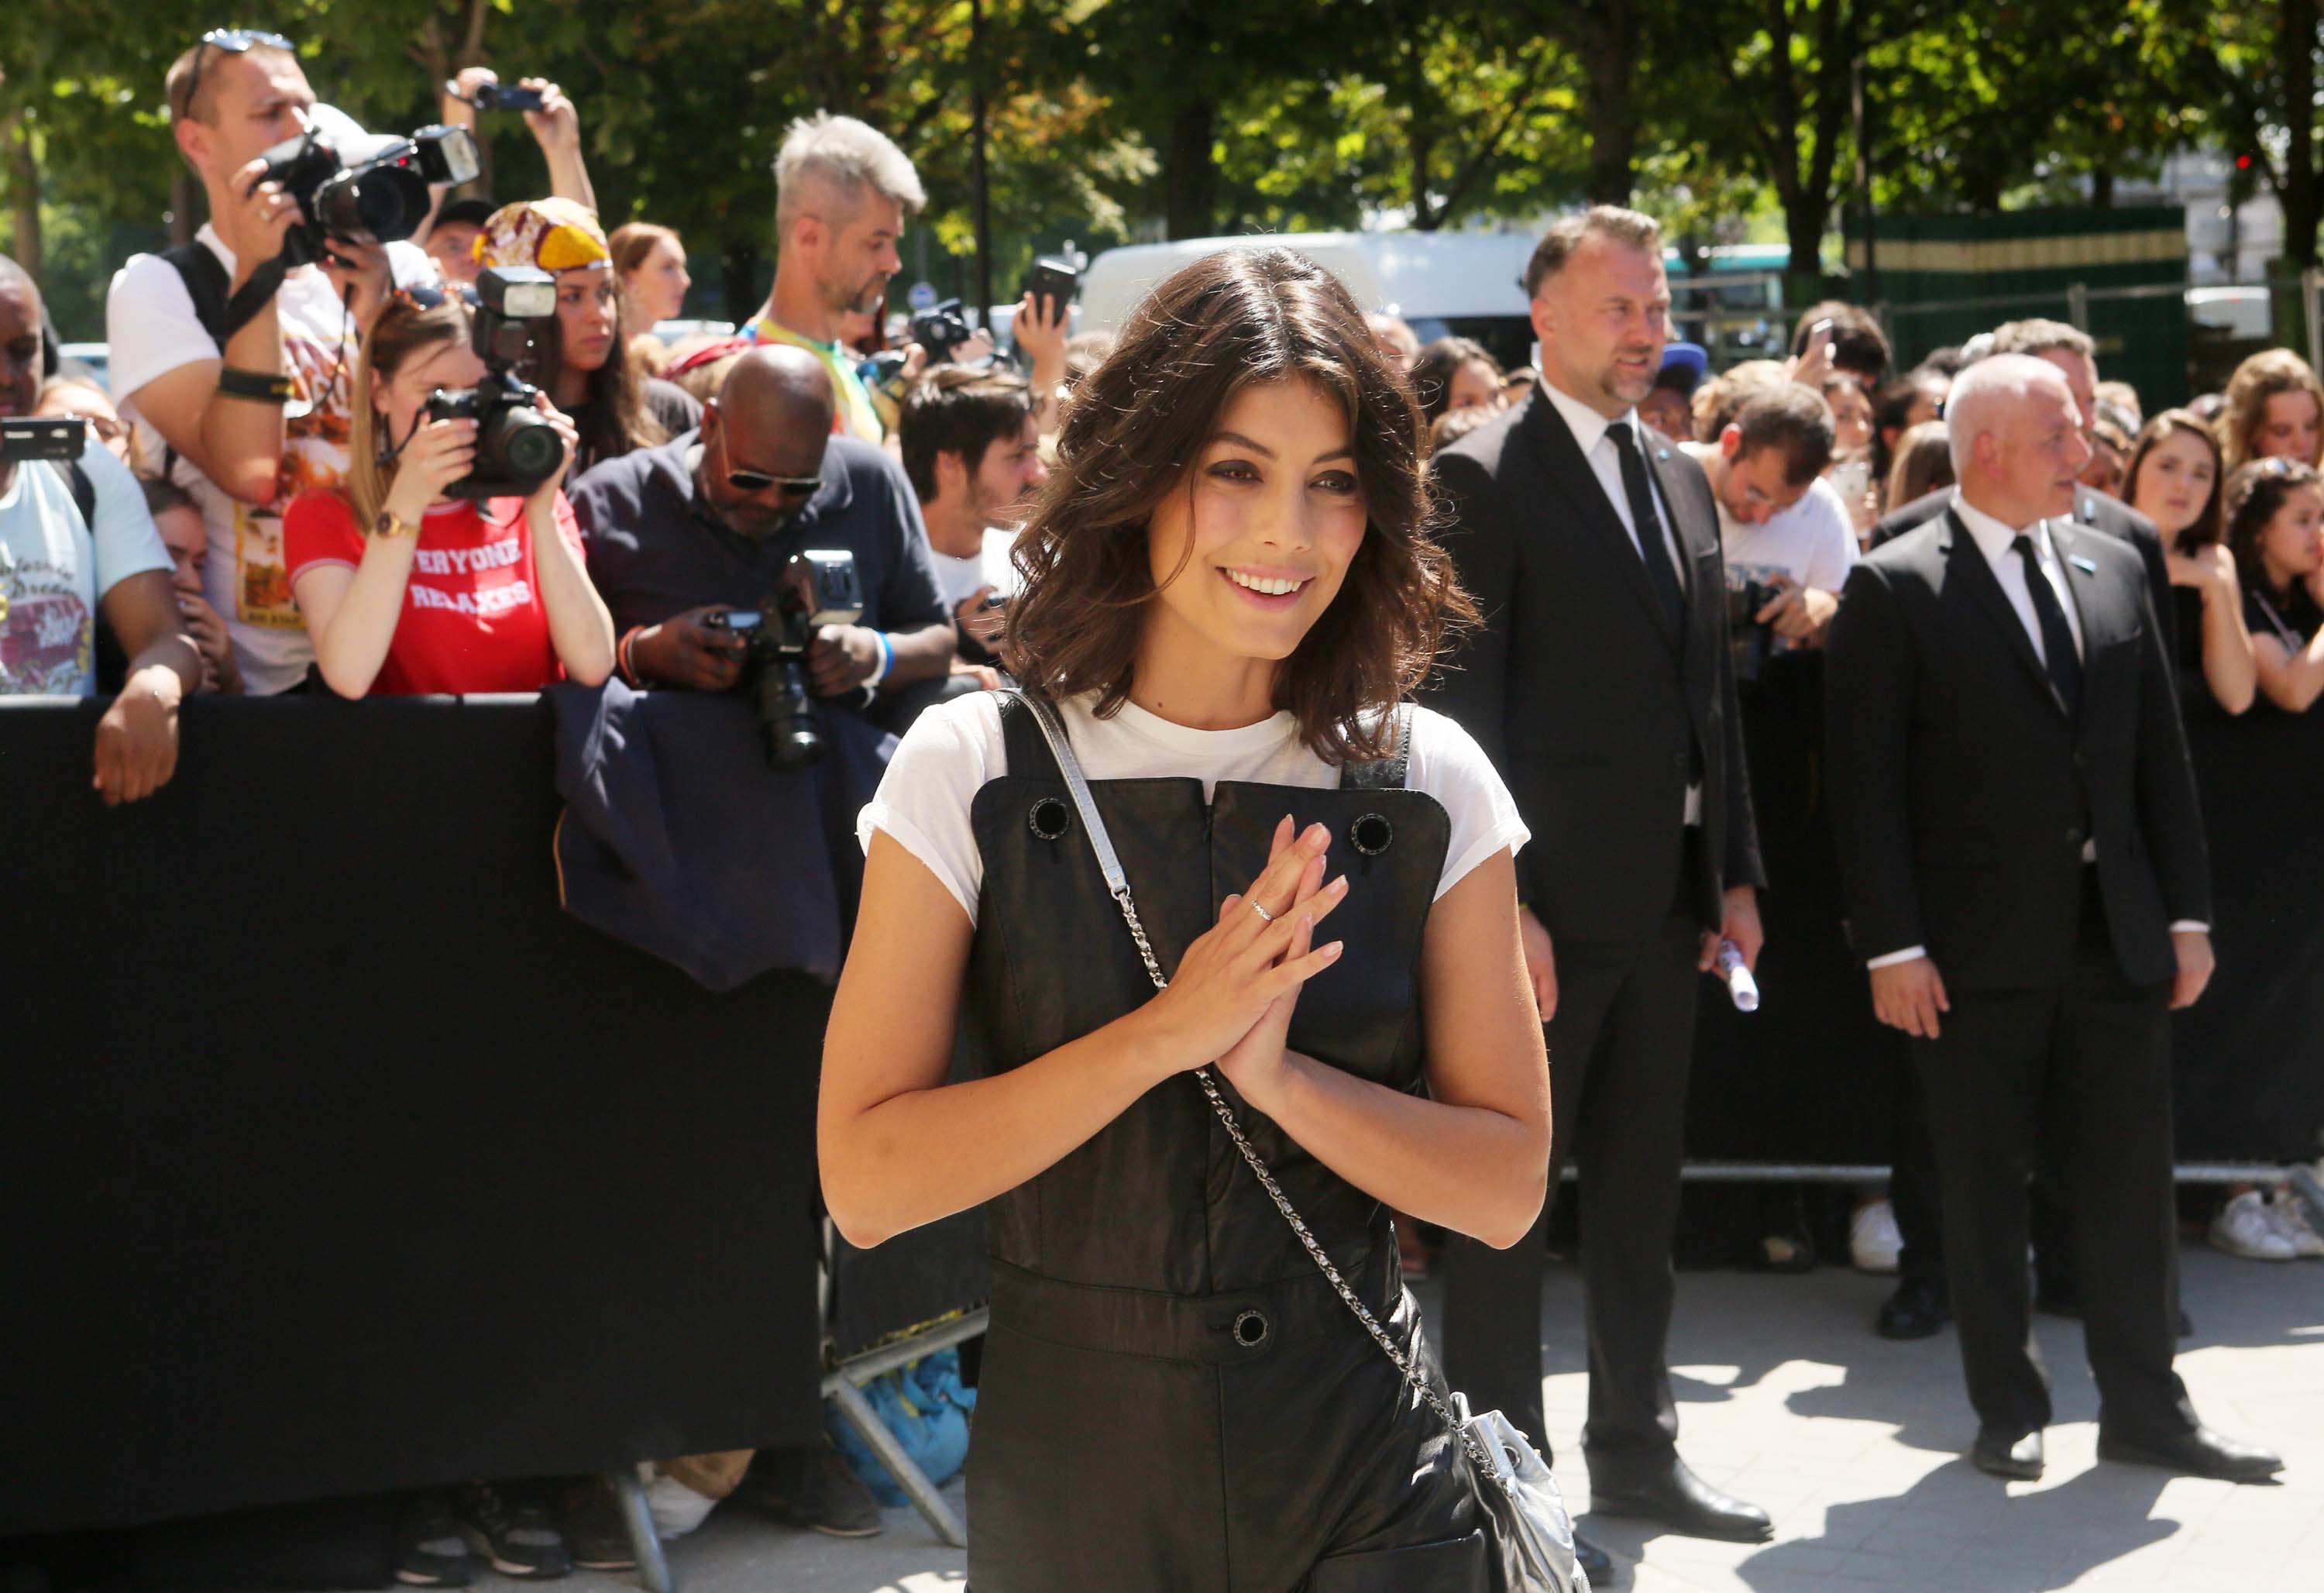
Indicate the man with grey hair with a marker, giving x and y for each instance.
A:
(2022, 857)
(1603, 686)
(843, 190)
(2075, 355)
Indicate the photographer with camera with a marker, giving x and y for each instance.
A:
(681, 535)
(1784, 528)
(449, 562)
(972, 450)
(239, 389)
(843, 190)
(75, 536)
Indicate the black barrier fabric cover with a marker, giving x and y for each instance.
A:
(2248, 1058)
(340, 1159)
(1810, 1076)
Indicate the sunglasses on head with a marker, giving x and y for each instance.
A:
(229, 41)
(436, 295)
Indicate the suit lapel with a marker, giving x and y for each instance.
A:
(2082, 581)
(1561, 457)
(1964, 563)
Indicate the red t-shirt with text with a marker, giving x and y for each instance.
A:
(473, 620)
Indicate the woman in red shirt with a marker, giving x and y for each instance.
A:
(407, 591)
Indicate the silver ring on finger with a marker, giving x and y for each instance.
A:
(1262, 912)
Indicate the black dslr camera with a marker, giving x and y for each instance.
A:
(941, 330)
(819, 587)
(375, 192)
(1749, 641)
(517, 448)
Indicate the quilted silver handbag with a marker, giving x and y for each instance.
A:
(1532, 1535)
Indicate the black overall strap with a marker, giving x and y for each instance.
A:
(1021, 741)
(1386, 773)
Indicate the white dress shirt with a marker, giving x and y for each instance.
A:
(1605, 462)
(1997, 543)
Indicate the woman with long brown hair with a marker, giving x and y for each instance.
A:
(2274, 411)
(2173, 476)
(409, 589)
(584, 362)
(1229, 590)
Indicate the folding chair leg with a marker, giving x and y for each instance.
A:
(653, 1565)
(909, 1477)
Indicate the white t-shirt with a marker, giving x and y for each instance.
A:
(1814, 541)
(953, 748)
(961, 578)
(54, 571)
(150, 323)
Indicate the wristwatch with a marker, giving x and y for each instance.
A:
(389, 523)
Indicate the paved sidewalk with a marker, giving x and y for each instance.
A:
(1787, 1398)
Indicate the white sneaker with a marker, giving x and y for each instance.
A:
(2245, 1227)
(1873, 1242)
(2289, 1213)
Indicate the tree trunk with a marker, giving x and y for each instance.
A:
(25, 194)
(186, 202)
(738, 275)
(2295, 57)
(1190, 173)
(2102, 188)
(1611, 107)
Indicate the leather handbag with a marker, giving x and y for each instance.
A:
(1532, 1535)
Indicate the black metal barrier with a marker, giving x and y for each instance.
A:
(340, 1159)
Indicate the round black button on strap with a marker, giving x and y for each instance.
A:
(1050, 819)
(1371, 834)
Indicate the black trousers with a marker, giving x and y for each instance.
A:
(1620, 1046)
(2076, 1078)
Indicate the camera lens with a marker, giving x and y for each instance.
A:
(787, 715)
(522, 447)
(383, 202)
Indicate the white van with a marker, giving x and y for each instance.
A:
(1471, 285)
(1445, 284)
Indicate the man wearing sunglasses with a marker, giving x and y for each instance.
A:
(234, 413)
(704, 525)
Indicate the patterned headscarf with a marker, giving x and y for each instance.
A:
(554, 234)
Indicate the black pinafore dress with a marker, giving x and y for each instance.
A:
(1173, 1398)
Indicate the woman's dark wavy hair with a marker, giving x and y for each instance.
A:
(618, 421)
(1131, 436)
(2252, 495)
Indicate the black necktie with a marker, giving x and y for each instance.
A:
(1649, 527)
(2064, 664)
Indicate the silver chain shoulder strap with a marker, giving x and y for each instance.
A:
(1118, 884)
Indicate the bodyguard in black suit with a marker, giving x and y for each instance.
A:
(2021, 855)
(2092, 508)
(1918, 1307)
(1601, 686)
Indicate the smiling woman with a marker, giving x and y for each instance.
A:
(1229, 589)
(1270, 418)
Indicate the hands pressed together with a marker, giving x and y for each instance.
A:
(1232, 999)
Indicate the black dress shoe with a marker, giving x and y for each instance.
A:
(2002, 1451)
(1917, 1309)
(1685, 1504)
(2199, 1453)
(1595, 1563)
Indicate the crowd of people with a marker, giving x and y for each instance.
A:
(276, 497)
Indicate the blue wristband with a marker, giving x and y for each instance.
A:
(887, 658)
